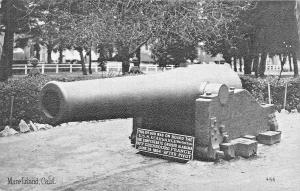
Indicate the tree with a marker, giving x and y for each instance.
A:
(14, 20)
(232, 38)
(48, 24)
(174, 53)
(279, 35)
(127, 25)
(295, 55)
(263, 28)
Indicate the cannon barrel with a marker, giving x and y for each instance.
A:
(124, 97)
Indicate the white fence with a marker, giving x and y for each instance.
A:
(272, 67)
(115, 67)
(51, 67)
(146, 68)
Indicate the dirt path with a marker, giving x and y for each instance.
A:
(98, 156)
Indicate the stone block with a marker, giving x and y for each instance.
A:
(220, 154)
(228, 149)
(24, 128)
(32, 126)
(269, 137)
(251, 137)
(8, 132)
(200, 152)
(40, 126)
(244, 147)
(208, 153)
(272, 122)
(225, 138)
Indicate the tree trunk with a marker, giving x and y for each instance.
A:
(138, 55)
(228, 60)
(282, 62)
(49, 51)
(102, 57)
(124, 53)
(296, 69)
(294, 54)
(102, 53)
(10, 52)
(290, 62)
(297, 13)
(110, 52)
(37, 51)
(80, 50)
(256, 65)
(90, 62)
(60, 59)
(234, 63)
(262, 65)
(247, 64)
(7, 56)
(241, 64)
(7, 50)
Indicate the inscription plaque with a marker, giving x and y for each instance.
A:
(165, 144)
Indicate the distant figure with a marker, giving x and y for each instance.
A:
(135, 70)
(35, 71)
(102, 63)
(136, 66)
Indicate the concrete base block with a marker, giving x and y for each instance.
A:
(228, 149)
(251, 137)
(207, 153)
(201, 153)
(273, 122)
(220, 155)
(245, 147)
(269, 137)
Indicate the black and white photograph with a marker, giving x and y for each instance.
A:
(149, 95)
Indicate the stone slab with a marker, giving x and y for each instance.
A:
(242, 115)
(220, 155)
(269, 137)
(244, 147)
(24, 128)
(32, 126)
(251, 137)
(8, 132)
(228, 149)
(273, 124)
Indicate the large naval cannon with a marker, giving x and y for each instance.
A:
(204, 101)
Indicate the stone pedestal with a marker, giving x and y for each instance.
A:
(244, 147)
(251, 137)
(216, 125)
(269, 137)
(228, 149)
